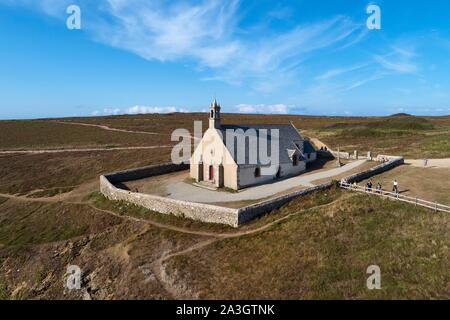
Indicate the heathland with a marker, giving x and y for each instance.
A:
(52, 216)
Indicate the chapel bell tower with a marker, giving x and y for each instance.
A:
(214, 115)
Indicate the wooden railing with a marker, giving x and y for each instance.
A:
(416, 201)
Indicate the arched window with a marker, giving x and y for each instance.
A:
(212, 113)
(257, 172)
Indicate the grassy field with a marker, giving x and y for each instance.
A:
(414, 137)
(25, 135)
(431, 184)
(323, 253)
(318, 246)
(38, 241)
(23, 174)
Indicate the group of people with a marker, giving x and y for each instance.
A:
(379, 188)
(369, 187)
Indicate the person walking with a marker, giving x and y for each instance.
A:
(425, 162)
(369, 186)
(379, 188)
(395, 187)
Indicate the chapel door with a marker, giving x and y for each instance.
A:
(211, 173)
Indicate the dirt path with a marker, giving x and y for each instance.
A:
(432, 163)
(79, 150)
(56, 198)
(158, 266)
(151, 222)
(319, 144)
(104, 127)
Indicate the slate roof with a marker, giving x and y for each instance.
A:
(290, 142)
(309, 148)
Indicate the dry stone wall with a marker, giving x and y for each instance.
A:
(210, 213)
(248, 213)
(392, 163)
(185, 209)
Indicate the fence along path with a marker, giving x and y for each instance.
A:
(416, 201)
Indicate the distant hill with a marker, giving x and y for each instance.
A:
(401, 115)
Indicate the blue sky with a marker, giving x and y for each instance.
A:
(255, 56)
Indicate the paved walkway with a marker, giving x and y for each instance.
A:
(188, 192)
(432, 163)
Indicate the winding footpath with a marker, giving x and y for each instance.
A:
(103, 127)
(182, 191)
(42, 151)
(432, 163)
(157, 266)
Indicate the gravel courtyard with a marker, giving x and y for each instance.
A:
(184, 191)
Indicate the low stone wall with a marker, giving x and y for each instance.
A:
(325, 154)
(384, 158)
(210, 213)
(392, 163)
(342, 155)
(248, 213)
(185, 209)
(145, 172)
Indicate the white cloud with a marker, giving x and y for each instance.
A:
(111, 111)
(169, 31)
(138, 110)
(263, 109)
(147, 109)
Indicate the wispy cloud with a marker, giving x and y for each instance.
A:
(169, 31)
(361, 82)
(399, 60)
(137, 110)
(207, 34)
(396, 61)
(55, 8)
(333, 73)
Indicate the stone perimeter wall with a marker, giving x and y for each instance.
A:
(386, 166)
(205, 212)
(192, 210)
